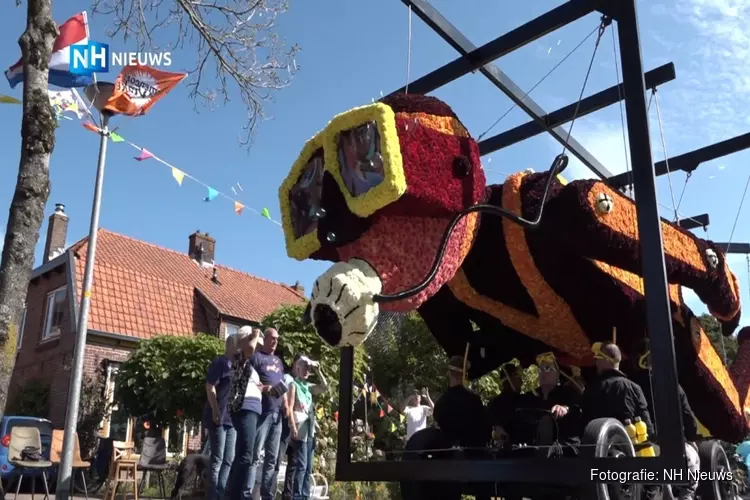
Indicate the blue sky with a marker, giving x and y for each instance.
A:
(353, 51)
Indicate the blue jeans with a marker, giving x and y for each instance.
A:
(222, 440)
(267, 439)
(303, 462)
(283, 444)
(245, 423)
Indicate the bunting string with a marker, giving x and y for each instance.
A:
(180, 175)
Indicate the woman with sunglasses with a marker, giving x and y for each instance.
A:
(302, 421)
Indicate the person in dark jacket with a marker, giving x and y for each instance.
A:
(460, 413)
(612, 394)
(562, 401)
(506, 422)
(641, 374)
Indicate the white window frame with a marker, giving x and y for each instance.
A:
(227, 326)
(49, 310)
(21, 328)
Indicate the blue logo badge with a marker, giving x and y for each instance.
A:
(86, 59)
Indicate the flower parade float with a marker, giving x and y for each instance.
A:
(388, 191)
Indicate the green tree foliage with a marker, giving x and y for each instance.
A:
(93, 407)
(165, 377)
(712, 327)
(30, 400)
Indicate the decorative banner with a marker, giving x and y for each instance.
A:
(382, 413)
(238, 207)
(180, 175)
(212, 194)
(402, 417)
(63, 101)
(6, 99)
(137, 88)
(145, 155)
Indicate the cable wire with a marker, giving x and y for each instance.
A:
(666, 157)
(526, 94)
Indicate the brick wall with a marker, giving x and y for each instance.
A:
(47, 360)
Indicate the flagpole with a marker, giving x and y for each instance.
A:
(63, 491)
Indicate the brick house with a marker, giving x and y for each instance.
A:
(140, 290)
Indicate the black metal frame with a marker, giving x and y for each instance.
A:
(577, 471)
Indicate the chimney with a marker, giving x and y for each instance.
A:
(201, 247)
(299, 288)
(57, 233)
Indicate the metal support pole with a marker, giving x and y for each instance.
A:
(74, 391)
(658, 313)
(346, 379)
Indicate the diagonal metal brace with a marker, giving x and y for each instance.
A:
(565, 14)
(595, 102)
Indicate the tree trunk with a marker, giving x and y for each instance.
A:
(32, 186)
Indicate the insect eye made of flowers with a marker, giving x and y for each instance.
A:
(461, 166)
(604, 203)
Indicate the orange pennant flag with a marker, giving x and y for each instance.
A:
(138, 87)
(91, 127)
(238, 207)
(382, 413)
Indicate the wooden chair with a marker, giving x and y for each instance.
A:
(123, 460)
(79, 465)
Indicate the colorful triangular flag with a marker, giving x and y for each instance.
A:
(238, 207)
(382, 413)
(178, 175)
(364, 391)
(212, 194)
(393, 427)
(145, 155)
(389, 408)
(116, 137)
(91, 127)
(265, 213)
(6, 99)
(373, 398)
(402, 418)
(319, 413)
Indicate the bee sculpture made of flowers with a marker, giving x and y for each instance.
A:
(376, 191)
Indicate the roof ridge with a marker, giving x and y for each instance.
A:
(83, 240)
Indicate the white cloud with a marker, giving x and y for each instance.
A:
(712, 98)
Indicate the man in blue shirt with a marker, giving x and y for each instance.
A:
(217, 421)
(268, 435)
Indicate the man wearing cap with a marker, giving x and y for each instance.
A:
(612, 394)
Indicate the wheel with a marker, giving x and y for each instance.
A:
(714, 461)
(611, 440)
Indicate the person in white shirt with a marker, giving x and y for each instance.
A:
(416, 413)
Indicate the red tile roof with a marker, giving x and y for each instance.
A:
(142, 289)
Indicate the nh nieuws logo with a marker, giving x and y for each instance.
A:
(95, 57)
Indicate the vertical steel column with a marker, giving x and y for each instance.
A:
(658, 313)
(346, 379)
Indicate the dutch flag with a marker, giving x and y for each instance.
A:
(75, 31)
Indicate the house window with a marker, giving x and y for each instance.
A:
(231, 329)
(55, 312)
(21, 327)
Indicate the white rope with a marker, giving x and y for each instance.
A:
(408, 56)
(666, 157)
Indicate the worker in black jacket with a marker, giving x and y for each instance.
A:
(642, 375)
(612, 394)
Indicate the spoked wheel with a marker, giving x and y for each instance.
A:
(611, 440)
(714, 460)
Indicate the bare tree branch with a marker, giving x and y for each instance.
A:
(237, 36)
